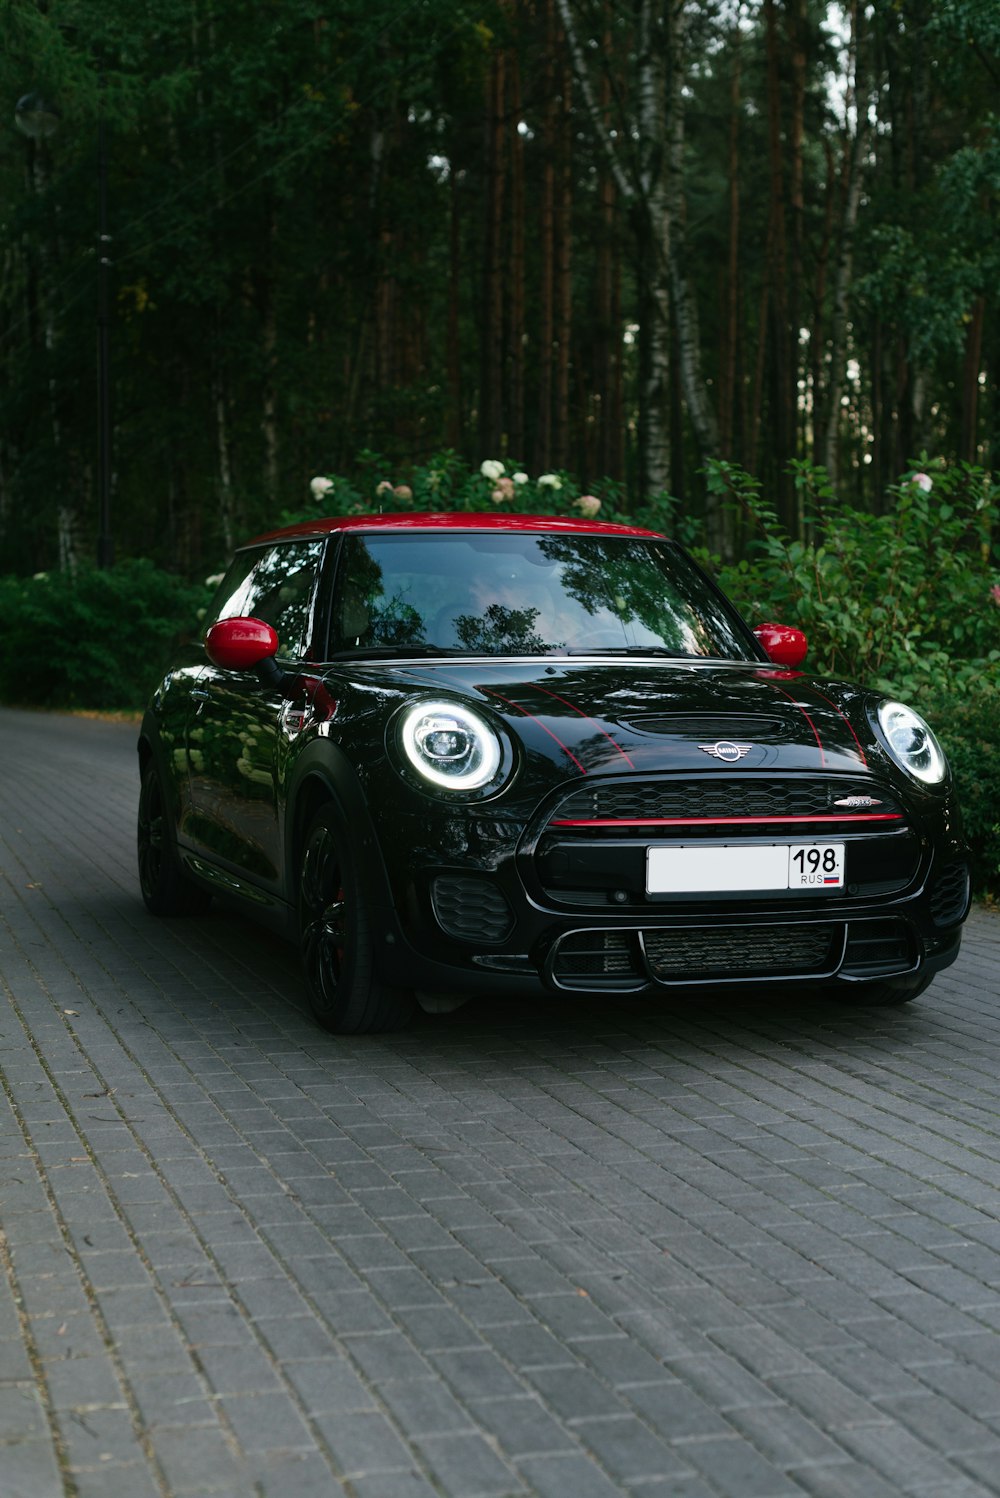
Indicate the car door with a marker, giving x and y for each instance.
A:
(235, 821)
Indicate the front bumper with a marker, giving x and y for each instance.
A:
(494, 904)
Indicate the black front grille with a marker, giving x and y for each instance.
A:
(950, 895)
(721, 953)
(470, 908)
(722, 796)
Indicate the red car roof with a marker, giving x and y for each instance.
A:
(458, 520)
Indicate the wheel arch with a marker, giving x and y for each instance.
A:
(323, 774)
(150, 751)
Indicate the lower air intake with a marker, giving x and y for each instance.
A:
(762, 951)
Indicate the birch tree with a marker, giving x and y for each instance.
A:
(644, 147)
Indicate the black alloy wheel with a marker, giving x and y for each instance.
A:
(335, 938)
(165, 887)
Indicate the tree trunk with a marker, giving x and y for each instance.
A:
(730, 299)
(564, 272)
(453, 359)
(546, 251)
(782, 410)
(969, 450)
(269, 339)
(855, 152)
(643, 189)
(797, 48)
(700, 409)
(516, 307)
(491, 422)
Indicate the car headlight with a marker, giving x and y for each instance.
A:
(450, 746)
(911, 743)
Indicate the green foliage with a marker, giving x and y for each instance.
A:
(93, 640)
(905, 601)
(967, 727)
(902, 600)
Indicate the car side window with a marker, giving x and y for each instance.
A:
(277, 586)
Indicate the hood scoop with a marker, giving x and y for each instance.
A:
(712, 726)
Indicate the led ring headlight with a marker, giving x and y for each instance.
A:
(450, 746)
(911, 743)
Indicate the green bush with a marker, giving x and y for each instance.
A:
(967, 727)
(905, 600)
(91, 639)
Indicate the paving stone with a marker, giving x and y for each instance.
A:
(612, 1249)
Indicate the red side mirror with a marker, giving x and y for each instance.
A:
(784, 645)
(240, 644)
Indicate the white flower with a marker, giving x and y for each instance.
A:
(922, 481)
(214, 580)
(320, 486)
(549, 481)
(588, 504)
(520, 478)
(491, 468)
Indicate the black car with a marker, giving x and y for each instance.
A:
(460, 753)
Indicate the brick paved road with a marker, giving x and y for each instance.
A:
(578, 1251)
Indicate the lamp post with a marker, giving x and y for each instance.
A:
(36, 118)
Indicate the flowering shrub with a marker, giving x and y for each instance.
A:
(448, 483)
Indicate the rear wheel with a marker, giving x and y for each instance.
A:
(335, 938)
(883, 993)
(165, 887)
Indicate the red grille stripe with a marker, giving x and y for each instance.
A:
(875, 816)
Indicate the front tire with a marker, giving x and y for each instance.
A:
(335, 938)
(165, 887)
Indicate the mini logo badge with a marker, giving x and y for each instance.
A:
(857, 802)
(726, 750)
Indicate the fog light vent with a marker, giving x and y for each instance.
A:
(470, 908)
(882, 946)
(950, 895)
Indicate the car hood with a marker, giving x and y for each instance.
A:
(640, 715)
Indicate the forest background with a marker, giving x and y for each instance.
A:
(731, 266)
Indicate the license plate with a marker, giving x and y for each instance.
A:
(737, 868)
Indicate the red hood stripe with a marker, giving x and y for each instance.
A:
(581, 714)
(812, 725)
(850, 726)
(491, 692)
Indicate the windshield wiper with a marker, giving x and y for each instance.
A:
(682, 655)
(395, 652)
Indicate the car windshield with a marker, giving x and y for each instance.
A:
(534, 594)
